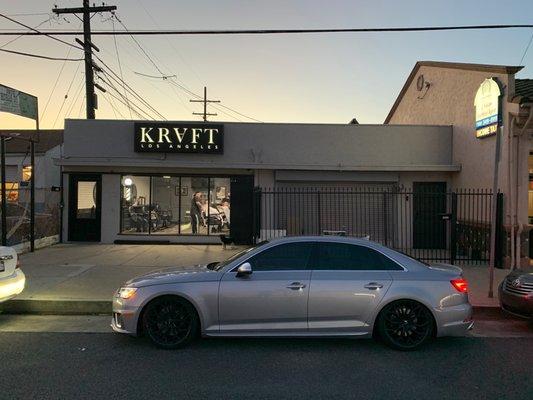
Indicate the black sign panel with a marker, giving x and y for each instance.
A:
(168, 137)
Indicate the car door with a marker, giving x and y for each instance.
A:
(348, 282)
(273, 298)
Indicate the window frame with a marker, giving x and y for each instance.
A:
(369, 248)
(210, 178)
(307, 268)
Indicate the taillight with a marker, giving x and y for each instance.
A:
(461, 285)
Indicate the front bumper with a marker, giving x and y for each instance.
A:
(125, 316)
(12, 285)
(518, 305)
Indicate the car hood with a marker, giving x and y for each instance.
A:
(525, 274)
(449, 268)
(194, 273)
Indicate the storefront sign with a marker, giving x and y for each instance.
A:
(179, 138)
(19, 103)
(488, 108)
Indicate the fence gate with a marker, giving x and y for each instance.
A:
(427, 222)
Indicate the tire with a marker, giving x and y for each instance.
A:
(405, 325)
(170, 322)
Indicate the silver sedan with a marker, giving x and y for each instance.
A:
(299, 286)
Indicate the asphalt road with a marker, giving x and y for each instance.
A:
(109, 366)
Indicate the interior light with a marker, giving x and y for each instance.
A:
(128, 182)
(166, 176)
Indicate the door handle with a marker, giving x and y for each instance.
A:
(373, 286)
(296, 286)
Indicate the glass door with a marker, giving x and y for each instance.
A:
(85, 198)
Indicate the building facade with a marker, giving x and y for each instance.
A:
(445, 93)
(127, 181)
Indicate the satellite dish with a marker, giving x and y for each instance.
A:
(420, 83)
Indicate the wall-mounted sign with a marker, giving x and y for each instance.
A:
(488, 108)
(19, 103)
(168, 137)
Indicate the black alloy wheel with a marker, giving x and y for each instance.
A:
(170, 322)
(405, 325)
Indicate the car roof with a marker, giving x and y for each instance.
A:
(328, 239)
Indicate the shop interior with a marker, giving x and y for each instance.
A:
(175, 205)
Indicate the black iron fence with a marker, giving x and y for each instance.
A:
(425, 222)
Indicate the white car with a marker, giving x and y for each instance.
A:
(12, 279)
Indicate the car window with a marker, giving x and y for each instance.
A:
(284, 257)
(350, 257)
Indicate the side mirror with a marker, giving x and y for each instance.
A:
(244, 270)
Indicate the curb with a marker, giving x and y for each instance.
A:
(57, 307)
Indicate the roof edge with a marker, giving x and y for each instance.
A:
(498, 69)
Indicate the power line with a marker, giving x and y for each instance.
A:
(111, 85)
(55, 84)
(526, 49)
(276, 31)
(66, 95)
(37, 32)
(117, 79)
(118, 60)
(140, 47)
(18, 37)
(21, 53)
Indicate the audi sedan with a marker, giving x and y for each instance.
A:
(299, 287)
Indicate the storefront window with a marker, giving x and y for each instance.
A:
(219, 195)
(170, 205)
(135, 204)
(164, 206)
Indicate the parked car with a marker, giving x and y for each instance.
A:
(299, 286)
(516, 293)
(12, 279)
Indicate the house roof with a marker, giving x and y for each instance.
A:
(523, 90)
(497, 69)
(45, 139)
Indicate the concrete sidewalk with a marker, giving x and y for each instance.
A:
(82, 278)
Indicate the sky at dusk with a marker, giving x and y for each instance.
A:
(283, 78)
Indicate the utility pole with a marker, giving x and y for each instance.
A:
(205, 114)
(88, 47)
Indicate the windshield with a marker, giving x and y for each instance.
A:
(222, 264)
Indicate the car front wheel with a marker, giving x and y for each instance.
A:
(170, 322)
(405, 325)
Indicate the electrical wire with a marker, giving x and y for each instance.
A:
(35, 31)
(75, 98)
(18, 37)
(134, 106)
(66, 95)
(21, 53)
(140, 47)
(526, 49)
(119, 63)
(117, 78)
(55, 85)
(277, 31)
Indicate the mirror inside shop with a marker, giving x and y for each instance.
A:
(175, 205)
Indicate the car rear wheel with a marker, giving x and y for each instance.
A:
(170, 322)
(405, 325)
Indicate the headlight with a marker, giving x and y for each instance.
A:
(126, 292)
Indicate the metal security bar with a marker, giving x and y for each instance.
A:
(425, 222)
